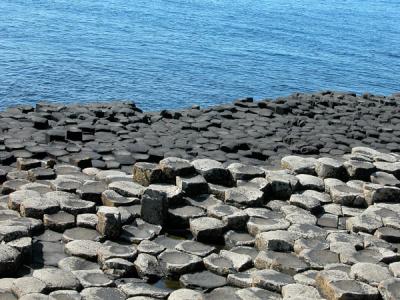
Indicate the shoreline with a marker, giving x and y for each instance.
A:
(245, 131)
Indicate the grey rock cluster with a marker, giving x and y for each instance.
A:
(318, 228)
(140, 227)
(117, 135)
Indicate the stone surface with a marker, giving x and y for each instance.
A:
(83, 248)
(202, 280)
(299, 291)
(185, 294)
(283, 262)
(328, 221)
(59, 222)
(109, 222)
(127, 189)
(174, 166)
(98, 293)
(278, 240)
(194, 185)
(175, 263)
(271, 280)
(213, 171)
(369, 273)
(10, 260)
(207, 229)
(390, 289)
(148, 267)
(56, 279)
(146, 173)
(154, 207)
(27, 285)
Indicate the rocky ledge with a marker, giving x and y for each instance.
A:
(115, 136)
(95, 206)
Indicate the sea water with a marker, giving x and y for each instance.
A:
(174, 53)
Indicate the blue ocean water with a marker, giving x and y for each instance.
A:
(173, 53)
